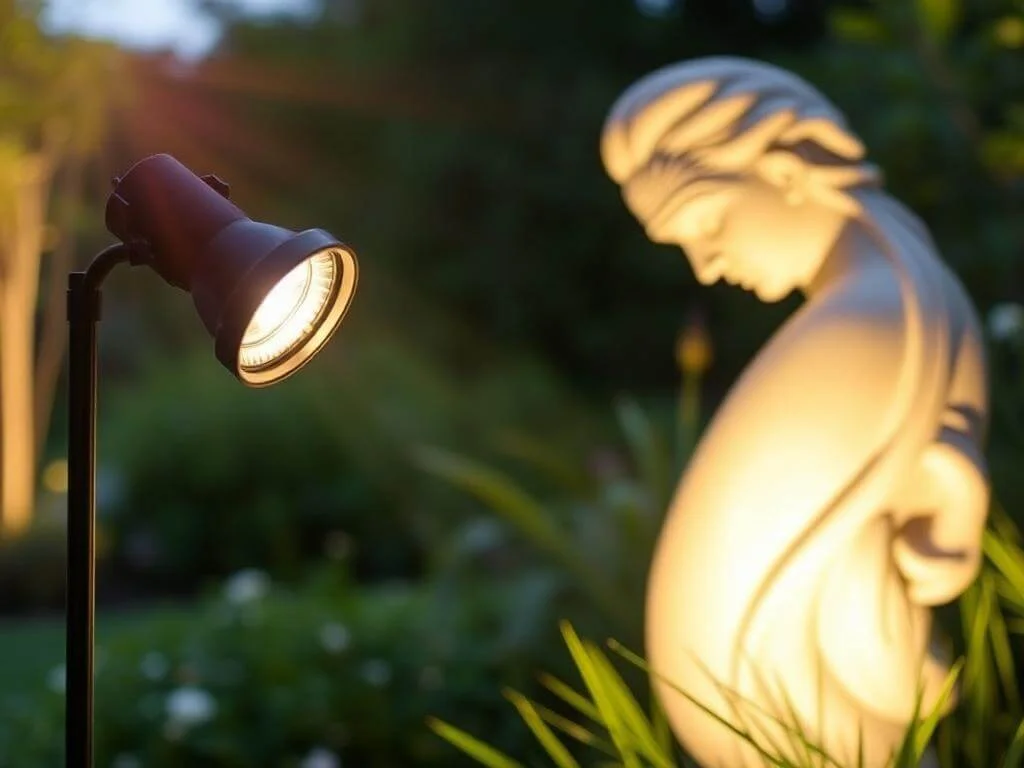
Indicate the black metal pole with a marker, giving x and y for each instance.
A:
(83, 315)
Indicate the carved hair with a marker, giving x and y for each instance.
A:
(724, 118)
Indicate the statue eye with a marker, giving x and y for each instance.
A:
(704, 215)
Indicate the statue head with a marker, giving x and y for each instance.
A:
(744, 165)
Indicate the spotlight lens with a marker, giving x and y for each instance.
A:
(291, 312)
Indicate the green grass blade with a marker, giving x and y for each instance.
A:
(1011, 598)
(978, 603)
(660, 727)
(905, 757)
(1015, 626)
(926, 728)
(978, 690)
(1002, 657)
(555, 748)
(597, 685)
(1001, 524)
(769, 758)
(1015, 754)
(567, 694)
(751, 717)
(632, 714)
(798, 740)
(1007, 558)
(470, 745)
(575, 731)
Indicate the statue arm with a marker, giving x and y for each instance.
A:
(947, 498)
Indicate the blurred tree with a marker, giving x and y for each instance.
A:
(457, 142)
(54, 99)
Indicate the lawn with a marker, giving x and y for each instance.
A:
(31, 648)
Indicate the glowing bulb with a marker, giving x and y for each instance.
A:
(291, 312)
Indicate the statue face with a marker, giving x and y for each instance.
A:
(747, 232)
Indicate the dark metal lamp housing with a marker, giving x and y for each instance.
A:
(271, 299)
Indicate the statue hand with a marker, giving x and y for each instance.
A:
(938, 547)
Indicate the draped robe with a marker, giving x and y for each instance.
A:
(774, 593)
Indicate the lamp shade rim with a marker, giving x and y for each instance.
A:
(253, 287)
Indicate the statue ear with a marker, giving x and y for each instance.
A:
(782, 169)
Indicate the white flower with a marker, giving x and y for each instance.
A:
(656, 9)
(124, 760)
(319, 757)
(246, 586)
(482, 535)
(56, 679)
(376, 672)
(1005, 321)
(334, 637)
(154, 666)
(189, 706)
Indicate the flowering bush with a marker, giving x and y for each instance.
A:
(320, 677)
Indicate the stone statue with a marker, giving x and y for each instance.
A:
(840, 490)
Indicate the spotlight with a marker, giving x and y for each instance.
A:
(270, 298)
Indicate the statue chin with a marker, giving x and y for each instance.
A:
(771, 294)
(768, 292)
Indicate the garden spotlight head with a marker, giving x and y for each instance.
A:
(270, 297)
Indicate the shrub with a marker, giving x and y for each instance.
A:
(264, 675)
(215, 477)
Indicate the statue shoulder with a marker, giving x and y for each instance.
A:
(826, 374)
(871, 296)
(856, 325)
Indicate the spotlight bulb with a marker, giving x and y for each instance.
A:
(291, 312)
